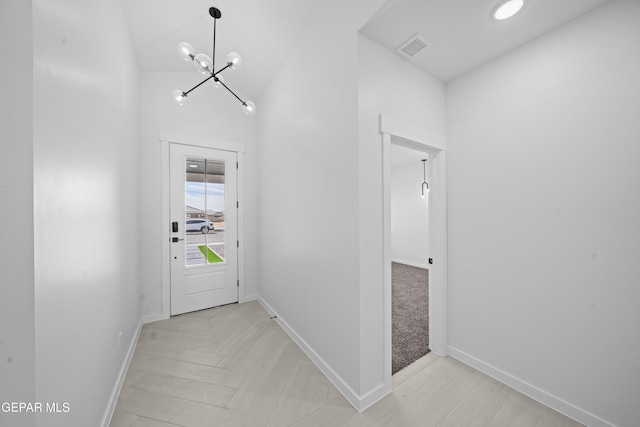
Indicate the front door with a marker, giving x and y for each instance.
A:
(204, 228)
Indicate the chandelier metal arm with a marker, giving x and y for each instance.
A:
(232, 92)
(219, 81)
(198, 85)
(229, 64)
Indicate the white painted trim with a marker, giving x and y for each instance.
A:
(247, 298)
(438, 248)
(166, 235)
(200, 141)
(532, 391)
(386, 256)
(408, 135)
(401, 129)
(372, 397)
(115, 393)
(358, 403)
(166, 138)
(412, 264)
(150, 318)
(240, 214)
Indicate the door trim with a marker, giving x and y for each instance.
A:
(408, 135)
(165, 139)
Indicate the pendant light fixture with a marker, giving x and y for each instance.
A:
(206, 66)
(425, 185)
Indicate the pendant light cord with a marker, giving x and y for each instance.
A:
(424, 171)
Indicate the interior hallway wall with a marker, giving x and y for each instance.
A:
(210, 113)
(414, 97)
(86, 198)
(17, 321)
(308, 156)
(409, 216)
(544, 236)
(321, 189)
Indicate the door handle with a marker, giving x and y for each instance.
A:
(175, 239)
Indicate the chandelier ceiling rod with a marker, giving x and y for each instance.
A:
(206, 66)
(215, 14)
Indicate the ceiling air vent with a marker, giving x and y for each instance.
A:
(412, 46)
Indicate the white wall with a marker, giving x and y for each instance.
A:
(86, 198)
(409, 216)
(308, 155)
(393, 87)
(544, 181)
(320, 223)
(17, 328)
(208, 113)
(309, 191)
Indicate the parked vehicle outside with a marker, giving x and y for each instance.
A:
(201, 225)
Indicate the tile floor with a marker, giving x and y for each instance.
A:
(232, 366)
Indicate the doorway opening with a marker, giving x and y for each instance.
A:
(433, 146)
(204, 258)
(409, 210)
(203, 216)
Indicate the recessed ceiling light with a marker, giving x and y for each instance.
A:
(508, 9)
(193, 166)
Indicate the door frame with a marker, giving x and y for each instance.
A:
(167, 138)
(435, 145)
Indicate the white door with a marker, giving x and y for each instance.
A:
(204, 228)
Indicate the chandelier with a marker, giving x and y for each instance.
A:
(206, 66)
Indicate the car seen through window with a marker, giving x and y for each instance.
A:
(201, 225)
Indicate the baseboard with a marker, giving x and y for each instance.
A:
(153, 318)
(532, 391)
(373, 396)
(412, 264)
(106, 420)
(247, 298)
(358, 403)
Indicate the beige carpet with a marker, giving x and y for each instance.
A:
(409, 314)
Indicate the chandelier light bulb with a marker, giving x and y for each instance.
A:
(425, 191)
(179, 96)
(217, 81)
(235, 60)
(185, 50)
(203, 64)
(249, 108)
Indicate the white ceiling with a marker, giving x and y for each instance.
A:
(262, 32)
(463, 33)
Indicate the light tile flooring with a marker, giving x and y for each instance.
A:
(232, 366)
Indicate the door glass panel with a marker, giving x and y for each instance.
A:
(204, 211)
